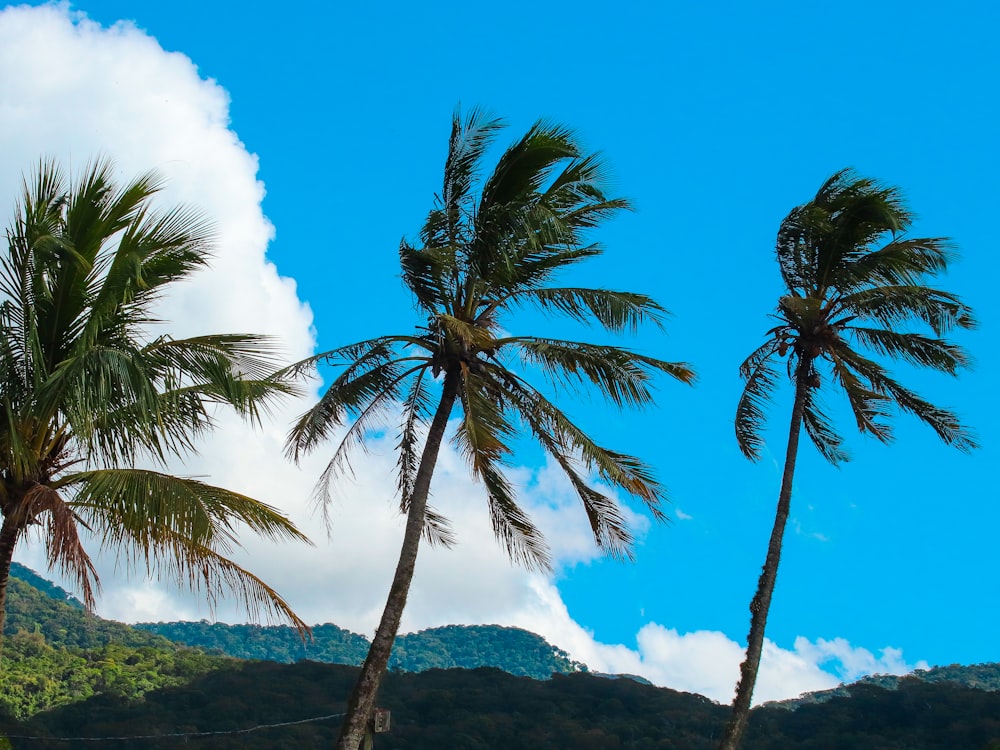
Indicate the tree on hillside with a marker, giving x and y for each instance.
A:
(481, 256)
(88, 390)
(854, 281)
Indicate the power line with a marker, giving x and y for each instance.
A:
(175, 734)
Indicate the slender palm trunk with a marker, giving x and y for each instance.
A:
(8, 539)
(761, 604)
(362, 700)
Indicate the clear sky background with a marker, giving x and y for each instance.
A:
(314, 135)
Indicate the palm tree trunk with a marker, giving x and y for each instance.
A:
(761, 604)
(8, 539)
(362, 700)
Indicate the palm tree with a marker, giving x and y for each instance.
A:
(87, 391)
(846, 291)
(481, 256)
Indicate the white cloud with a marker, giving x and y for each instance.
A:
(117, 92)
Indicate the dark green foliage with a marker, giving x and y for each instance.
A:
(978, 676)
(467, 646)
(487, 709)
(917, 715)
(64, 625)
(56, 653)
(46, 587)
(279, 643)
(130, 682)
(470, 646)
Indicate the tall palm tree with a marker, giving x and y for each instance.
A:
(87, 391)
(854, 281)
(481, 256)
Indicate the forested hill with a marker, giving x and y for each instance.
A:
(513, 650)
(36, 605)
(68, 674)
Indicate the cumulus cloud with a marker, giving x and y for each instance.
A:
(115, 91)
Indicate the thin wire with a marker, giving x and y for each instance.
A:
(175, 734)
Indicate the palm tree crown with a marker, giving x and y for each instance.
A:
(484, 254)
(480, 258)
(88, 390)
(853, 279)
(846, 291)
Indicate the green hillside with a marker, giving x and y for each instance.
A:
(263, 705)
(465, 646)
(68, 674)
(56, 653)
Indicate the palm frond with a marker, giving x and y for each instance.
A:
(484, 437)
(760, 379)
(870, 406)
(44, 505)
(895, 305)
(820, 429)
(543, 416)
(371, 412)
(616, 311)
(922, 351)
(943, 421)
(526, 165)
(181, 526)
(621, 376)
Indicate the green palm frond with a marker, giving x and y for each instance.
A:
(760, 380)
(142, 507)
(371, 413)
(180, 526)
(416, 407)
(923, 351)
(870, 406)
(425, 273)
(570, 448)
(895, 305)
(821, 431)
(527, 164)
(353, 392)
(902, 261)
(943, 421)
(616, 311)
(484, 437)
(620, 375)
(554, 430)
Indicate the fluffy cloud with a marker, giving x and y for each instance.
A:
(115, 91)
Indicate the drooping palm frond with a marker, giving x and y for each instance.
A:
(621, 376)
(943, 421)
(180, 525)
(821, 431)
(760, 380)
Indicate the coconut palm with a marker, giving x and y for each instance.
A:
(484, 254)
(855, 284)
(88, 391)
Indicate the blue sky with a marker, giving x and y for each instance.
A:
(716, 121)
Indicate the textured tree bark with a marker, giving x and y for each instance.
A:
(361, 704)
(761, 603)
(8, 539)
